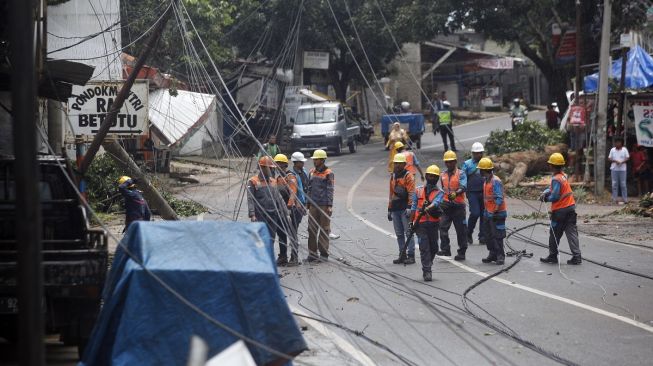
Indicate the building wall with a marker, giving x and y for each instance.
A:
(206, 140)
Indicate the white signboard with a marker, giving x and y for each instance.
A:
(316, 60)
(506, 63)
(89, 104)
(644, 125)
(626, 40)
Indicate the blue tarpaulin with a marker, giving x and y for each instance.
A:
(226, 269)
(414, 121)
(639, 71)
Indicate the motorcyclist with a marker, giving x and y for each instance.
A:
(517, 111)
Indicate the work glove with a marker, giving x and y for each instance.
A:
(389, 216)
(452, 196)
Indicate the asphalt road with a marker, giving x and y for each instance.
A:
(587, 314)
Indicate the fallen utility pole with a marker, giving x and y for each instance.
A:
(602, 105)
(116, 151)
(31, 349)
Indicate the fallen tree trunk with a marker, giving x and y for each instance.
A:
(522, 163)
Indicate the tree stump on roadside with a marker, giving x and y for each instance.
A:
(522, 163)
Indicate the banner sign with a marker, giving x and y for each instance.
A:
(577, 115)
(567, 50)
(644, 125)
(89, 104)
(506, 63)
(316, 60)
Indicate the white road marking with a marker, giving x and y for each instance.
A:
(340, 342)
(464, 140)
(635, 323)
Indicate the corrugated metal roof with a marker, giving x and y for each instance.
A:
(174, 117)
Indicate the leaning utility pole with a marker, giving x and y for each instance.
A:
(117, 152)
(26, 170)
(602, 105)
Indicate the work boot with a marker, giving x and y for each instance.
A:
(500, 261)
(442, 253)
(470, 240)
(312, 258)
(550, 259)
(410, 259)
(400, 260)
(293, 262)
(575, 260)
(459, 257)
(282, 261)
(428, 277)
(489, 259)
(324, 257)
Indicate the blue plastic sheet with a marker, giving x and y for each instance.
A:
(414, 121)
(639, 71)
(226, 269)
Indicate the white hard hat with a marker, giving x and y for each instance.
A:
(554, 104)
(297, 156)
(516, 100)
(477, 147)
(446, 103)
(405, 105)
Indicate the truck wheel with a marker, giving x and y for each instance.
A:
(352, 146)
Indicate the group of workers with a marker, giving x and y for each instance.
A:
(430, 210)
(280, 197)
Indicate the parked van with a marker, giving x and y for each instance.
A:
(324, 125)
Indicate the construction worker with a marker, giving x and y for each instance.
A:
(412, 164)
(288, 187)
(495, 213)
(270, 148)
(445, 118)
(426, 214)
(402, 187)
(136, 208)
(563, 212)
(321, 185)
(454, 185)
(474, 193)
(265, 204)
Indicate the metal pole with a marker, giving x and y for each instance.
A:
(602, 105)
(124, 93)
(26, 171)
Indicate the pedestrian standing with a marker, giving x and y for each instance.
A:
(552, 117)
(563, 212)
(445, 118)
(271, 148)
(454, 185)
(288, 187)
(402, 187)
(298, 161)
(475, 194)
(412, 164)
(265, 204)
(495, 213)
(397, 134)
(436, 106)
(321, 185)
(641, 169)
(618, 157)
(426, 214)
(136, 208)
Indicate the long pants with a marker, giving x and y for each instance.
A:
(476, 207)
(319, 227)
(495, 230)
(427, 234)
(619, 182)
(563, 221)
(277, 227)
(455, 214)
(447, 130)
(400, 223)
(295, 219)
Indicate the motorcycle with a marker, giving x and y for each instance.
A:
(367, 130)
(516, 121)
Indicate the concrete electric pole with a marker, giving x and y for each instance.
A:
(601, 120)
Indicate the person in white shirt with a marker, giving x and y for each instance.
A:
(618, 157)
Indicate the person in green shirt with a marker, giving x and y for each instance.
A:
(271, 147)
(445, 119)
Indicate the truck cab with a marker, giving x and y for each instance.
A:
(74, 256)
(324, 125)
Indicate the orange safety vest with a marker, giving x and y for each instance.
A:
(289, 185)
(421, 197)
(566, 194)
(451, 184)
(408, 182)
(488, 196)
(410, 162)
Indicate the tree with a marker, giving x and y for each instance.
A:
(409, 21)
(528, 23)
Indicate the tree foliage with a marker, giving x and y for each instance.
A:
(528, 23)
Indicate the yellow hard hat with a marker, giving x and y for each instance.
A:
(319, 154)
(485, 164)
(266, 161)
(399, 145)
(399, 158)
(433, 169)
(556, 159)
(450, 156)
(123, 179)
(281, 158)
